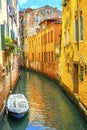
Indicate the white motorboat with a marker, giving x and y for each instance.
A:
(17, 105)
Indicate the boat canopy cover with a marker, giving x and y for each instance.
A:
(17, 103)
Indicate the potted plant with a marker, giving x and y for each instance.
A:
(9, 46)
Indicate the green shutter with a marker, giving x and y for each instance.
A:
(3, 36)
(81, 28)
(11, 34)
(76, 30)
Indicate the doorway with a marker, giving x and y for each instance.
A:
(75, 78)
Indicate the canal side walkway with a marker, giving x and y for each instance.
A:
(11, 91)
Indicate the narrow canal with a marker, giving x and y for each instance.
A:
(50, 109)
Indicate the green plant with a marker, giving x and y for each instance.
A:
(9, 46)
(8, 41)
(81, 76)
(19, 50)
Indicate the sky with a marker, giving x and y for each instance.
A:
(23, 4)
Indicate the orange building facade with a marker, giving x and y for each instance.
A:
(44, 48)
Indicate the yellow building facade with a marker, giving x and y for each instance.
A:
(42, 48)
(74, 48)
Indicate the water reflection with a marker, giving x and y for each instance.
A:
(18, 124)
(9, 123)
(49, 107)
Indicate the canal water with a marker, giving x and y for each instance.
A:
(49, 107)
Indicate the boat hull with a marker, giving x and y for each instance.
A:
(16, 115)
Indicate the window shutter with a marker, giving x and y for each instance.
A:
(76, 30)
(81, 28)
(3, 36)
(0, 4)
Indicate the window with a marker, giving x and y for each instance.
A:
(32, 43)
(29, 44)
(48, 37)
(76, 30)
(36, 43)
(42, 56)
(39, 41)
(42, 40)
(65, 38)
(68, 67)
(43, 27)
(65, 2)
(39, 56)
(6, 70)
(3, 36)
(7, 29)
(81, 28)
(51, 36)
(85, 69)
(51, 56)
(46, 56)
(0, 33)
(0, 4)
(68, 36)
(45, 38)
(32, 56)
